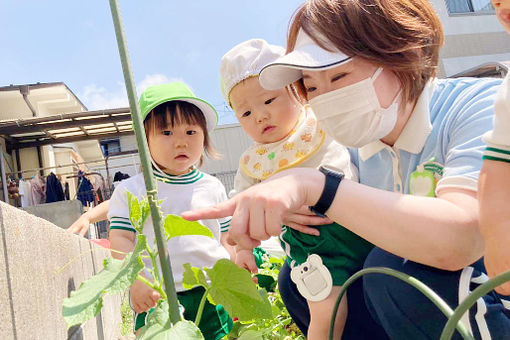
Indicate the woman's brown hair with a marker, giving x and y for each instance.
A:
(175, 113)
(403, 36)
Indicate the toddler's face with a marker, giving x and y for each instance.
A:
(175, 149)
(266, 116)
(503, 12)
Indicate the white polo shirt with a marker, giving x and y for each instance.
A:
(178, 193)
(440, 146)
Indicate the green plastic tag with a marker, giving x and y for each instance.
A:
(422, 183)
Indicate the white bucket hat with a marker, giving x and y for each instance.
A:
(307, 55)
(244, 61)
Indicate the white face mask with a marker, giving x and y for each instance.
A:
(353, 116)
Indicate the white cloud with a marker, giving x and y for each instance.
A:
(99, 98)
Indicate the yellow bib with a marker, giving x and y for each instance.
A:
(263, 160)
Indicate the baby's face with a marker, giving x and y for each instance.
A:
(503, 12)
(266, 116)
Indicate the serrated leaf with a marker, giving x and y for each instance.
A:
(193, 277)
(233, 287)
(178, 226)
(135, 213)
(116, 276)
(145, 211)
(158, 327)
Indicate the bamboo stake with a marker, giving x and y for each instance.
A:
(150, 183)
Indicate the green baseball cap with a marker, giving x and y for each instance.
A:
(159, 94)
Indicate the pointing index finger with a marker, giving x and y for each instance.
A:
(222, 209)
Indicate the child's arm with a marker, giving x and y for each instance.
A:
(121, 240)
(96, 214)
(143, 297)
(493, 196)
(494, 190)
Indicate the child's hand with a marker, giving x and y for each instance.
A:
(143, 297)
(81, 225)
(246, 260)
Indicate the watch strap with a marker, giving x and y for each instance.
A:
(333, 179)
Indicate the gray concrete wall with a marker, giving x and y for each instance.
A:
(31, 293)
(62, 214)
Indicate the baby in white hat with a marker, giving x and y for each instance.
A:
(286, 134)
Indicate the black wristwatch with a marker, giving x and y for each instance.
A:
(333, 179)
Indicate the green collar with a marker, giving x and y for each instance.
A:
(190, 177)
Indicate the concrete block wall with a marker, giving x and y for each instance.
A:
(31, 293)
(62, 214)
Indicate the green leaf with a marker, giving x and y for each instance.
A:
(135, 213)
(158, 327)
(252, 335)
(236, 330)
(116, 276)
(193, 277)
(233, 287)
(146, 211)
(178, 226)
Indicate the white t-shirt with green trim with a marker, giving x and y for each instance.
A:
(178, 194)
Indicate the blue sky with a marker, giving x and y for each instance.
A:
(74, 42)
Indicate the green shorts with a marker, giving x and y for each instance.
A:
(342, 251)
(215, 322)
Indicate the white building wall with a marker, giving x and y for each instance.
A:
(231, 141)
(471, 39)
(465, 24)
(29, 160)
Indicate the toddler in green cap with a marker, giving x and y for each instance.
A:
(177, 126)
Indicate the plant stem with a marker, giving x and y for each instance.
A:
(155, 267)
(59, 270)
(148, 175)
(153, 286)
(201, 307)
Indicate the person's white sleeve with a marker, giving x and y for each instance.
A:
(223, 221)
(498, 140)
(241, 182)
(118, 212)
(338, 157)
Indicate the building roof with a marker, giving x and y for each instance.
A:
(39, 99)
(66, 128)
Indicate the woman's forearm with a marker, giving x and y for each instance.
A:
(439, 232)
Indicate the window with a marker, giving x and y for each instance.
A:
(469, 7)
(110, 146)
